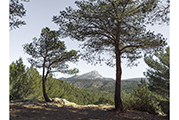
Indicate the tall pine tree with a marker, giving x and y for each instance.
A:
(115, 27)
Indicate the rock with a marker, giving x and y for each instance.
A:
(89, 106)
(58, 100)
(62, 101)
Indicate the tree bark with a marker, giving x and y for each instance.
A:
(118, 101)
(43, 83)
(44, 91)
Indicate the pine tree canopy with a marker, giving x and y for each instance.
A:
(161, 13)
(49, 52)
(16, 12)
(103, 25)
(159, 71)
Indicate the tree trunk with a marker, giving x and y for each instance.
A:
(118, 101)
(44, 91)
(43, 84)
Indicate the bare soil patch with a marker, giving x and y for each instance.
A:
(40, 110)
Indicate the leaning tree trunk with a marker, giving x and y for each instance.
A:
(43, 84)
(117, 100)
(44, 91)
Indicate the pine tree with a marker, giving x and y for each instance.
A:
(18, 80)
(114, 27)
(159, 71)
(50, 54)
(34, 83)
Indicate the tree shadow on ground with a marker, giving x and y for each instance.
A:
(40, 112)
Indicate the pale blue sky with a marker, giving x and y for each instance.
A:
(39, 15)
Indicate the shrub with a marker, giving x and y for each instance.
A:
(142, 99)
(105, 99)
(127, 100)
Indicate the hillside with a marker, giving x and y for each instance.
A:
(63, 89)
(105, 86)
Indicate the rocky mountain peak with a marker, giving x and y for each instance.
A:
(94, 72)
(92, 75)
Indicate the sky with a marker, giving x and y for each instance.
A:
(39, 15)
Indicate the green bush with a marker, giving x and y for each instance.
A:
(127, 100)
(105, 98)
(142, 99)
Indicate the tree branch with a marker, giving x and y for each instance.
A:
(136, 46)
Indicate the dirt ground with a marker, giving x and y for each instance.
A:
(39, 110)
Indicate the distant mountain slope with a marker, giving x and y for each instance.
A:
(105, 86)
(93, 75)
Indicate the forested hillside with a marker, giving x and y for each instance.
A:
(62, 89)
(104, 86)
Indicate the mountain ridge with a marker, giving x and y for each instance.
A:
(92, 75)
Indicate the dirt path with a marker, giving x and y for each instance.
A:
(38, 110)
